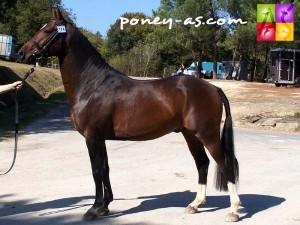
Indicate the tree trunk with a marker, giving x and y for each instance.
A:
(266, 63)
(213, 15)
(232, 64)
(237, 76)
(198, 63)
(253, 66)
(215, 61)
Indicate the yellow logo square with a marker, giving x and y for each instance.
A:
(284, 31)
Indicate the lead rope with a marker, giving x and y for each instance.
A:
(17, 122)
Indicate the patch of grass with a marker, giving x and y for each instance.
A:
(295, 116)
(41, 91)
(39, 85)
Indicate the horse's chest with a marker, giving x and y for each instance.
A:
(92, 116)
(74, 122)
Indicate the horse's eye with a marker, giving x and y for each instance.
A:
(47, 31)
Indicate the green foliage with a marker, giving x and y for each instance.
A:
(95, 38)
(187, 43)
(5, 7)
(138, 61)
(23, 18)
(36, 12)
(171, 48)
(120, 41)
(149, 50)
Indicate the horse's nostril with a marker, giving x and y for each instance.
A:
(21, 54)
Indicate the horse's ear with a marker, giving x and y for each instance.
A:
(56, 13)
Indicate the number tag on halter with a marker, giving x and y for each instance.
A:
(61, 29)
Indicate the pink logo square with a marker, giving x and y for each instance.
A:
(266, 31)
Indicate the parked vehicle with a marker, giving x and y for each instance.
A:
(285, 67)
(190, 70)
(7, 47)
(206, 72)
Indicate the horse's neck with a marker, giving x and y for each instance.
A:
(80, 66)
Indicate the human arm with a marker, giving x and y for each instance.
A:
(7, 87)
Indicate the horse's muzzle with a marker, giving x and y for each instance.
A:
(26, 58)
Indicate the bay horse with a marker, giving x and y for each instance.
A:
(108, 105)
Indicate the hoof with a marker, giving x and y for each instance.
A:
(88, 216)
(191, 210)
(232, 217)
(93, 213)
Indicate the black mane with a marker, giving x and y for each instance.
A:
(89, 54)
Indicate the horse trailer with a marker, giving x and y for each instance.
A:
(285, 67)
(7, 47)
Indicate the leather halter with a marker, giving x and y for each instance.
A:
(41, 49)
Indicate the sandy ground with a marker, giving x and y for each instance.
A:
(259, 99)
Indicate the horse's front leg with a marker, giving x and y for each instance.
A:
(100, 168)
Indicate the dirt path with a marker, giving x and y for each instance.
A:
(258, 99)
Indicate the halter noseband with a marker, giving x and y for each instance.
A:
(41, 49)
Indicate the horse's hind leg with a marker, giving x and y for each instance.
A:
(202, 162)
(100, 168)
(225, 175)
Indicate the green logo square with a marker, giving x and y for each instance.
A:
(266, 13)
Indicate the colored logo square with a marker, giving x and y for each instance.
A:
(284, 13)
(265, 13)
(266, 31)
(284, 31)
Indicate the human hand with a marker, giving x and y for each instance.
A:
(16, 85)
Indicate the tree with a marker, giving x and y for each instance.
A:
(23, 18)
(189, 39)
(138, 61)
(199, 38)
(243, 41)
(5, 7)
(120, 40)
(95, 38)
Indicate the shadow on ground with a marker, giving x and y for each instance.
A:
(14, 212)
(56, 120)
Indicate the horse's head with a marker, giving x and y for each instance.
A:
(48, 41)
